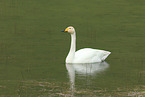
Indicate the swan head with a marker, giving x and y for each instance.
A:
(69, 29)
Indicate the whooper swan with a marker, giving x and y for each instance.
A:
(86, 55)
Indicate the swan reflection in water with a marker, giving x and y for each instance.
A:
(84, 70)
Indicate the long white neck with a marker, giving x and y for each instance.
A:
(71, 53)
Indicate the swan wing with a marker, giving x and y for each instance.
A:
(89, 55)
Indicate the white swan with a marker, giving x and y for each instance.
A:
(86, 55)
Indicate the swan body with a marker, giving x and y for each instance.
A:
(86, 55)
(89, 55)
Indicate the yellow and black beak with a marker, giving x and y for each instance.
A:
(65, 30)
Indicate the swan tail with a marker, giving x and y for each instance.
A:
(107, 53)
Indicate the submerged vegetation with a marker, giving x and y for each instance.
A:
(34, 88)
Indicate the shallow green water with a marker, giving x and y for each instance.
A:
(33, 50)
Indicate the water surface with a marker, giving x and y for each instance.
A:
(33, 50)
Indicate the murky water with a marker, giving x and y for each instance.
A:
(33, 50)
(48, 75)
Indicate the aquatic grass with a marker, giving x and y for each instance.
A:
(55, 89)
(32, 88)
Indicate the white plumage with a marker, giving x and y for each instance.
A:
(86, 55)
